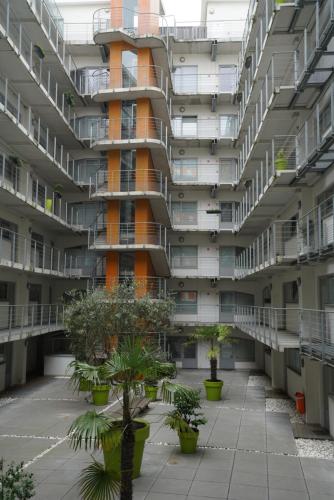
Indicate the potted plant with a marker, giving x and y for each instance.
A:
(39, 51)
(281, 162)
(214, 335)
(87, 377)
(185, 418)
(159, 371)
(123, 326)
(15, 483)
(69, 98)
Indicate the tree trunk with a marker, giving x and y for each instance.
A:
(213, 368)
(127, 448)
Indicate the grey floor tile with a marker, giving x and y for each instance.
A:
(287, 495)
(209, 489)
(243, 492)
(164, 496)
(216, 476)
(177, 472)
(166, 485)
(287, 483)
(249, 478)
(321, 487)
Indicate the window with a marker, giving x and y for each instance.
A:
(129, 115)
(184, 257)
(184, 212)
(290, 292)
(86, 126)
(186, 169)
(227, 125)
(128, 170)
(326, 291)
(290, 228)
(7, 230)
(325, 122)
(129, 68)
(126, 265)
(227, 261)
(227, 170)
(227, 78)
(293, 360)
(185, 126)
(226, 212)
(186, 302)
(186, 80)
(38, 192)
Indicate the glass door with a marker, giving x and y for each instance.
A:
(128, 170)
(129, 68)
(127, 222)
(129, 115)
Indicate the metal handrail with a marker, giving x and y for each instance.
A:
(128, 181)
(205, 83)
(123, 234)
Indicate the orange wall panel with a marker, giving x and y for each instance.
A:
(114, 169)
(112, 268)
(116, 13)
(113, 208)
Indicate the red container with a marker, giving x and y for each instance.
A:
(300, 402)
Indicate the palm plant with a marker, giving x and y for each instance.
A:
(93, 375)
(214, 335)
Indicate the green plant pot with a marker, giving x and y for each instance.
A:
(100, 394)
(48, 204)
(85, 385)
(188, 441)
(151, 392)
(112, 456)
(213, 390)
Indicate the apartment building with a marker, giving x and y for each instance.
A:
(194, 157)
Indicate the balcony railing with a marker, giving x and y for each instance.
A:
(152, 286)
(223, 30)
(21, 321)
(317, 333)
(313, 53)
(79, 33)
(281, 75)
(23, 45)
(27, 254)
(127, 77)
(127, 181)
(276, 327)
(28, 189)
(32, 126)
(53, 26)
(200, 220)
(281, 159)
(316, 231)
(205, 173)
(275, 246)
(139, 129)
(203, 313)
(202, 267)
(87, 168)
(149, 234)
(202, 128)
(317, 134)
(193, 84)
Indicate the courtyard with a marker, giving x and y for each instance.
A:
(245, 452)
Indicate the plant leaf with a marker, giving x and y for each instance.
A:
(97, 483)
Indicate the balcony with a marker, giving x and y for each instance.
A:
(87, 168)
(206, 31)
(316, 232)
(199, 314)
(50, 96)
(148, 236)
(138, 29)
(18, 322)
(316, 138)
(269, 188)
(277, 328)
(139, 133)
(152, 286)
(31, 197)
(315, 50)
(24, 130)
(201, 267)
(51, 33)
(199, 220)
(199, 173)
(132, 83)
(23, 254)
(317, 334)
(134, 184)
(274, 248)
(193, 131)
(211, 88)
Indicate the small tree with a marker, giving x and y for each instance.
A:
(128, 326)
(15, 483)
(214, 335)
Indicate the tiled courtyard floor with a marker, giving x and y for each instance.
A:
(245, 453)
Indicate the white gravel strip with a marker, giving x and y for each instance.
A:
(259, 380)
(315, 448)
(6, 401)
(284, 406)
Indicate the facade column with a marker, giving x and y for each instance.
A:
(277, 370)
